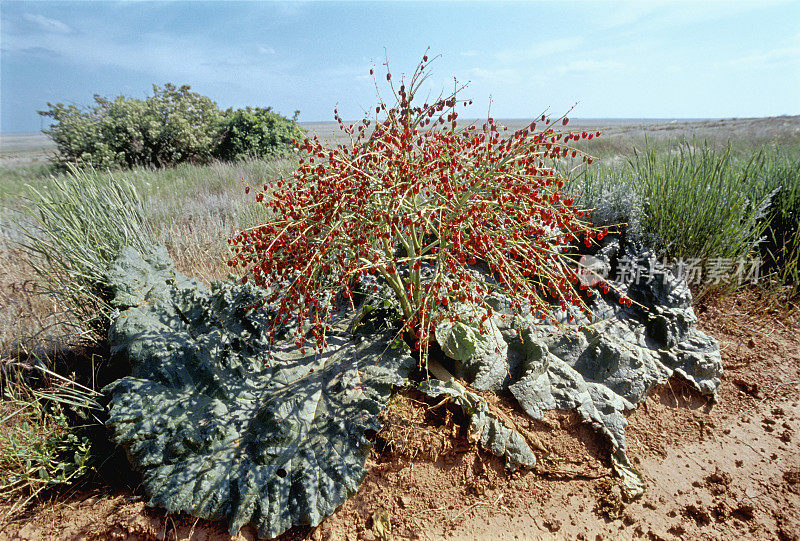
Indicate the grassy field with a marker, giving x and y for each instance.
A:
(702, 189)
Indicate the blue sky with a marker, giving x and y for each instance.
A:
(614, 59)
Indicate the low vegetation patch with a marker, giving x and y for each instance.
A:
(40, 446)
(73, 229)
(721, 213)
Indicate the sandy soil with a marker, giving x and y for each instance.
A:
(713, 470)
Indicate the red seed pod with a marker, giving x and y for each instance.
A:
(358, 198)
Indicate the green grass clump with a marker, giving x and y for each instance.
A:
(701, 203)
(74, 228)
(716, 205)
(781, 248)
(712, 205)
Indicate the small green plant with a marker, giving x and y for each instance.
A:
(781, 248)
(419, 204)
(701, 203)
(256, 132)
(705, 203)
(39, 447)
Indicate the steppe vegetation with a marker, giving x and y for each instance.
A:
(726, 194)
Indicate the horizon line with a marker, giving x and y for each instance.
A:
(572, 119)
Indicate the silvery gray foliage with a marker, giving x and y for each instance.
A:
(603, 369)
(615, 201)
(223, 425)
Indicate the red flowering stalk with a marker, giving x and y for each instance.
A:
(419, 193)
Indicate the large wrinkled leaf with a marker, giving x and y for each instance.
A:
(460, 340)
(604, 369)
(475, 351)
(223, 426)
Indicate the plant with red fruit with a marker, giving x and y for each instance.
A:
(422, 204)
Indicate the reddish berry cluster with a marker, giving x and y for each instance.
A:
(418, 192)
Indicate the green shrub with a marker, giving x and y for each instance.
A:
(256, 132)
(701, 203)
(172, 126)
(698, 202)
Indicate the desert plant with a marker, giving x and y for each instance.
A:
(256, 132)
(781, 249)
(610, 194)
(223, 427)
(701, 203)
(421, 204)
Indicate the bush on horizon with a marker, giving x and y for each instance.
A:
(256, 132)
(173, 126)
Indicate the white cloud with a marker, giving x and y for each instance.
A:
(787, 54)
(583, 66)
(265, 50)
(170, 58)
(539, 50)
(47, 24)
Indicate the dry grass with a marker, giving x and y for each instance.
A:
(415, 426)
(30, 322)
